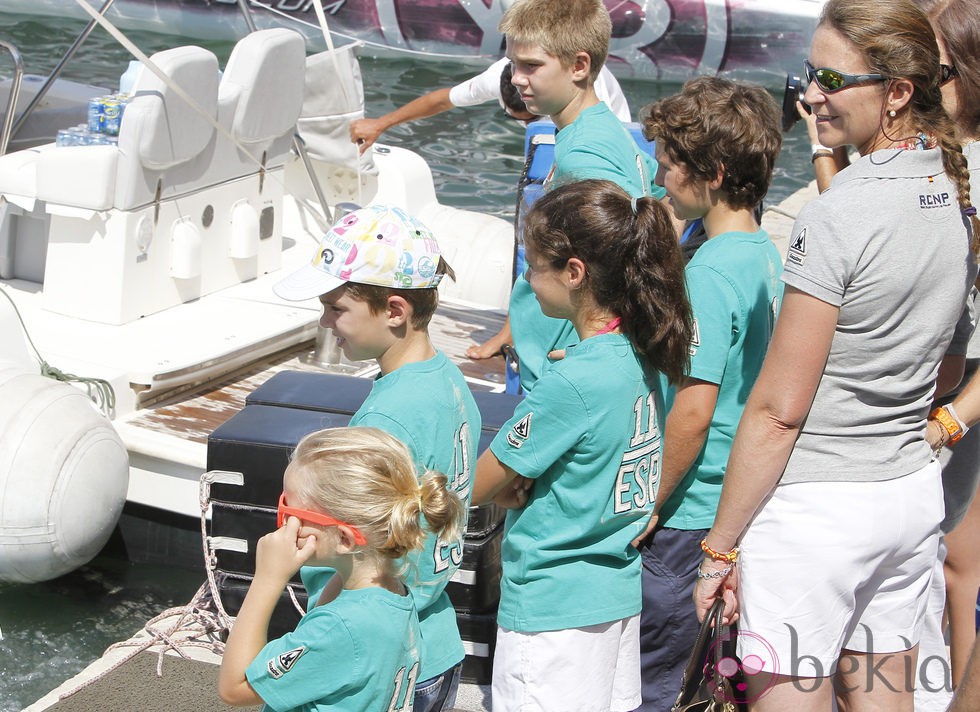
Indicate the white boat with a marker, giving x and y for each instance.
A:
(658, 40)
(146, 266)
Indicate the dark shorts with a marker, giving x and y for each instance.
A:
(668, 623)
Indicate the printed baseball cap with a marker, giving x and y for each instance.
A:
(380, 244)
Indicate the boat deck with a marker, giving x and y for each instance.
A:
(191, 416)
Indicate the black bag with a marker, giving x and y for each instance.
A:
(703, 687)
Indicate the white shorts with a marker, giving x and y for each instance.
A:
(592, 669)
(826, 566)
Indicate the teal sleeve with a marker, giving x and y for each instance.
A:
(714, 303)
(297, 669)
(544, 427)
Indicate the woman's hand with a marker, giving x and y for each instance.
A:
(935, 434)
(281, 553)
(718, 584)
(810, 120)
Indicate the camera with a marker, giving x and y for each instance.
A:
(792, 94)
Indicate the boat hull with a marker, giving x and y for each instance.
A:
(658, 40)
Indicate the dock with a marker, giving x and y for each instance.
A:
(171, 665)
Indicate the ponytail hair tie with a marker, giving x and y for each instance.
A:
(968, 212)
(633, 205)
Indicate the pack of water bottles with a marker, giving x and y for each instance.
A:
(104, 120)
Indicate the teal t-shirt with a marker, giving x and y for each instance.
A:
(535, 335)
(356, 653)
(597, 145)
(588, 433)
(429, 407)
(733, 282)
(594, 145)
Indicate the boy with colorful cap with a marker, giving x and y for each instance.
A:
(376, 273)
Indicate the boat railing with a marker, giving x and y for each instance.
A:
(14, 94)
(55, 73)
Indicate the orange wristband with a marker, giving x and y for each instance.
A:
(951, 424)
(730, 557)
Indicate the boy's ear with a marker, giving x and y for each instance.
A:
(581, 66)
(715, 183)
(399, 310)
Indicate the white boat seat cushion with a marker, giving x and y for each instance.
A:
(265, 71)
(161, 141)
(163, 128)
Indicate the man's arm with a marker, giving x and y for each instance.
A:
(364, 132)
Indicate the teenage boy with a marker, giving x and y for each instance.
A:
(492, 84)
(557, 48)
(376, 272)
(717, 141)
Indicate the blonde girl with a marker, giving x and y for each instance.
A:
(352, 501)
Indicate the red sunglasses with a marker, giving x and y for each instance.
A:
(316, 518)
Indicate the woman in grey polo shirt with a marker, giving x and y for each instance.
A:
(831, 492)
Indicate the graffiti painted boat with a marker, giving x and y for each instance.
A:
(657, 40)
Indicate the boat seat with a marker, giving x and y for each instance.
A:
(259, 101)
(18, 175)
(163, 142)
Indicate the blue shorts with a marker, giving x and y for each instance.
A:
(668, 622)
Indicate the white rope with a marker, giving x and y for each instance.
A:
(99, 390)
(195, 626)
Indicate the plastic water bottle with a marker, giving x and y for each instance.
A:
(128, 78)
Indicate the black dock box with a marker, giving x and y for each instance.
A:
(257, 442)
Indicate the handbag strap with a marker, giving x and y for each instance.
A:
(711, 626)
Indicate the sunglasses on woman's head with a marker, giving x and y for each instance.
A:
(324, 520)
(831, 80)
(947, 73)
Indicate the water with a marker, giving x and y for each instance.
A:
(52, 630)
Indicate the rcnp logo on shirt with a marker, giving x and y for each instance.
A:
(929, 201)
(283, 663)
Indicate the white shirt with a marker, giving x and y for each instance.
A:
(486, 87)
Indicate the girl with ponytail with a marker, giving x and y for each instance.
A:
(352, 501)
(578, 464)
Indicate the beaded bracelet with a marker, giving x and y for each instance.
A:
(731, 557)
(715, 574)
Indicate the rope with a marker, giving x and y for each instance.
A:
(99, 390)
(196, 626)
(211, 556)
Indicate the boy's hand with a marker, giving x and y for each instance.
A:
(515, 494)
(651, 525)
(280, 553)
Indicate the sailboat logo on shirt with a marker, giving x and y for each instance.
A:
(281, 664)
(520, 432)
(797, 250)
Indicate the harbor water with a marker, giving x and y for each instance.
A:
(52, 630)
